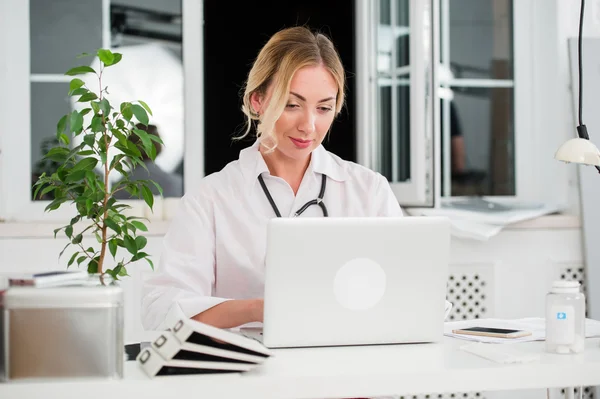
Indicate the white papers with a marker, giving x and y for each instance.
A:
(536, 325)
(500, 353)
(481, 218)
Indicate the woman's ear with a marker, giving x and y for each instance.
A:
(256, 103)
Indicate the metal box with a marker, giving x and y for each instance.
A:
(61, 332)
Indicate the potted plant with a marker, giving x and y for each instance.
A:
(111, 142)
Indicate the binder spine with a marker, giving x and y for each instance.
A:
(182, 331)
(166, 345)
(150, 361)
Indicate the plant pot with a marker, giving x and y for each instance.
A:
(62, 332)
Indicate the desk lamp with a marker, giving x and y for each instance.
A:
(581, 149)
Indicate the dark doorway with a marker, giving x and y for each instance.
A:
(233, 36)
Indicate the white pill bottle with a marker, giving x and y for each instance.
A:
(565, 318)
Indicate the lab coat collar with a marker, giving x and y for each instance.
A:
(253, 164)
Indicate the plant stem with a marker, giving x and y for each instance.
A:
(106, 193)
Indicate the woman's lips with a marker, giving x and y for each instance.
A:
(299, 143)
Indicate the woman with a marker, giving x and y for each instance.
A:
(211, 266)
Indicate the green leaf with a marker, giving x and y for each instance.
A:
(105, 106)
(156, 139)
(146, 142)
(88, 163)
(97, 124)
(61, 126)
(95, 106)
(47, 189)
(85, 153)
(126, 111)
(129, 243)
(93, 266)
(76, 122)
(106, 56)
(63, 250)
(148, 196)
(69, 231)
(72, 259)
(75, 84)
(123, 272)
(114, 226)
(85, 111)
(87, 97)
(88, 205)
(117, 58)
(75, 176)
(81, 259)
(89, 139)
(139, 225)
(112, 246)
(98, 238)
(150, 262)
(77, 239)
(78, 92)
(140, 113)
(64, 139)
(80, 70)
(74, 220)
(140, 242)
(146, 107)
(55, 204)
(58, 154)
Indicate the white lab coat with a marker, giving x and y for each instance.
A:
(215, 247)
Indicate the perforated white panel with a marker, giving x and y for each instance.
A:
(459, 395)
(470, 289)
(576, 273)
(588, 393)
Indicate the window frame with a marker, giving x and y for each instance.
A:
(419, 190)
(527, 186)
(15, 149)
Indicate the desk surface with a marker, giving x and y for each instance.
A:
(344, 372)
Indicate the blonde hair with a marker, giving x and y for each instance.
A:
(286, 52)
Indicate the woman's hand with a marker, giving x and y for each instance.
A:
(258, 306)
(232, 313)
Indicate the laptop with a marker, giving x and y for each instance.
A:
(354, 281)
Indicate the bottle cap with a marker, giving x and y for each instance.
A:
(565, 286)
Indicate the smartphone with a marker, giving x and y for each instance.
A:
(493, 332)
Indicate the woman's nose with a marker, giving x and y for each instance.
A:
(307, 124)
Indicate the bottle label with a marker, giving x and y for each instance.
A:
(561, 321)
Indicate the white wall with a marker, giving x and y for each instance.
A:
(559, 118)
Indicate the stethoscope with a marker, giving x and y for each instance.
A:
(318, 201)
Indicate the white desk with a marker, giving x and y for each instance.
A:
(343, 372)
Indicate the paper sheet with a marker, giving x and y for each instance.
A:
(472, 217)
(537, 326)
(500, 353)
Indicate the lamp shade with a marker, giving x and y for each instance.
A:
(578, 150)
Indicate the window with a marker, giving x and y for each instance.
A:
(395, 95)
(46, 36)
(467, 136)
(476, 89)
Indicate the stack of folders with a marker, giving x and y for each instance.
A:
(191, 347)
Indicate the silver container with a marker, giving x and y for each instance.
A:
(61, 332)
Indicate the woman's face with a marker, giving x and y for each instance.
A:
(308, 114)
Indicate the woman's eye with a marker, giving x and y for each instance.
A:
(292, 105)
(325, 109)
